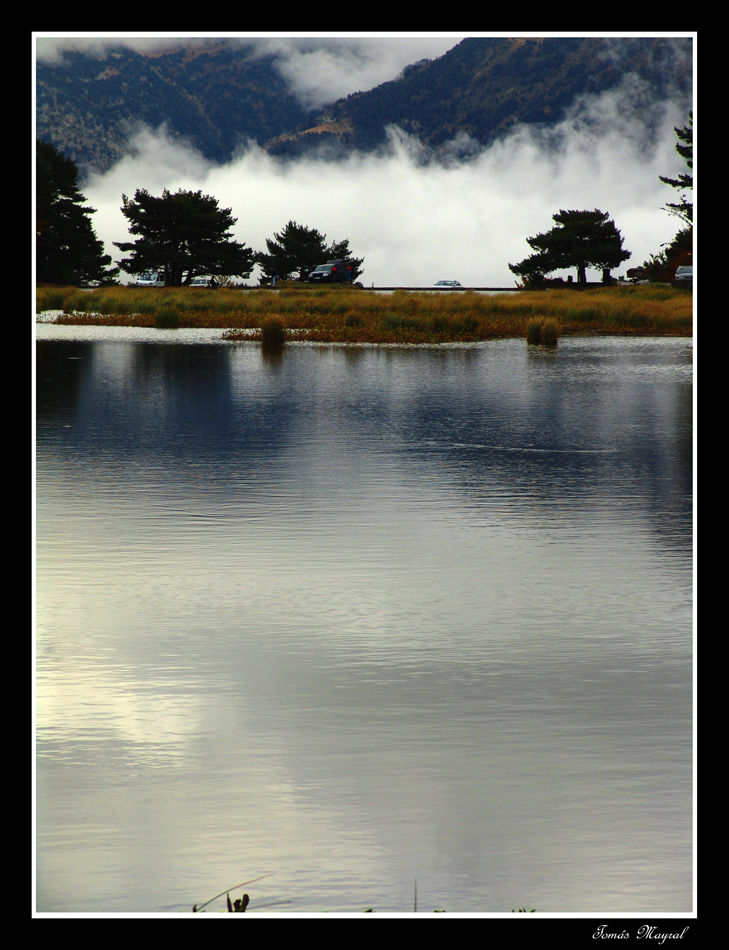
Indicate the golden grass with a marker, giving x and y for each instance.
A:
(350, 315)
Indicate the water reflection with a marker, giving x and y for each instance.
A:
(357, 615)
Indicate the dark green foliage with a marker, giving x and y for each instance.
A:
(298, 246)
(182, 234)
(67, 249)
(683, 209)
(662, 266)
(293, 248)
(580, 239)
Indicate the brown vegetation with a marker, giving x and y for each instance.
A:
(348, 315)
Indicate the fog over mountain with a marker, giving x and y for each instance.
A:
(414, 215)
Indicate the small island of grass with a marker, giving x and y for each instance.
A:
(351, 315)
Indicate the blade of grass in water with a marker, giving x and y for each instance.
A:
(233, 888)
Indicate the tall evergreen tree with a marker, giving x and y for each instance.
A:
(662, 266)
(297, 247)
(67, 249)
(183, 234)
(683, 209)
(579, 239)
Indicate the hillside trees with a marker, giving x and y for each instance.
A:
(579, 239)
(297, 247)
(67, 249)
(183, 234)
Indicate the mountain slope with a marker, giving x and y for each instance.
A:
(483, 87)
(215, 96)
(218, 96)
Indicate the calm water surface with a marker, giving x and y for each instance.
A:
(356, 616)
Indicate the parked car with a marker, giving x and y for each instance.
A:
(201, 281)
(684, 273)
(150, 280)
(333, 272)
(447, 283)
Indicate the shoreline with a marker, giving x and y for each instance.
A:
(335, 315)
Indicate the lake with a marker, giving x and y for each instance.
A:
(360, 617)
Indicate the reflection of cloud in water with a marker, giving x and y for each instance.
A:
(369, 654)
(112, 705)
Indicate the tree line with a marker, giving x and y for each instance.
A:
(182, 234)
(583, 239)
(186, 234)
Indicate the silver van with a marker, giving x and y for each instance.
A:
(150, 280)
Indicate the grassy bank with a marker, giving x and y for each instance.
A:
(348, 315)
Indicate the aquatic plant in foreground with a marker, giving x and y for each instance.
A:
(542, 332)
(239, 905)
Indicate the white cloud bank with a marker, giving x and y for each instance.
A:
(415, 222)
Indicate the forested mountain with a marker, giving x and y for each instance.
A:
(218, 96)
(483, 87)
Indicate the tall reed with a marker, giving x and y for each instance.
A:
(273, 333)
(167, 318)
(542, 332)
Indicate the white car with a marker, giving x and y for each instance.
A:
(150, 280)
(204, 282)
(447, 283)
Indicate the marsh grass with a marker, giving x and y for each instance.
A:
(349, 315)
(542, 332)
(167, 318)
(273, 333)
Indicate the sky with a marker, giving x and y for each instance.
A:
(414, 221)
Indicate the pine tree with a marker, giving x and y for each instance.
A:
(67, 249)
(183, 234)
(580, 239)
(662, 266)
(293, 248)
(298, 248)
(683, 209)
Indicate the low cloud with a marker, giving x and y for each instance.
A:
(318, 70)
(51, 49)
(417, 220)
